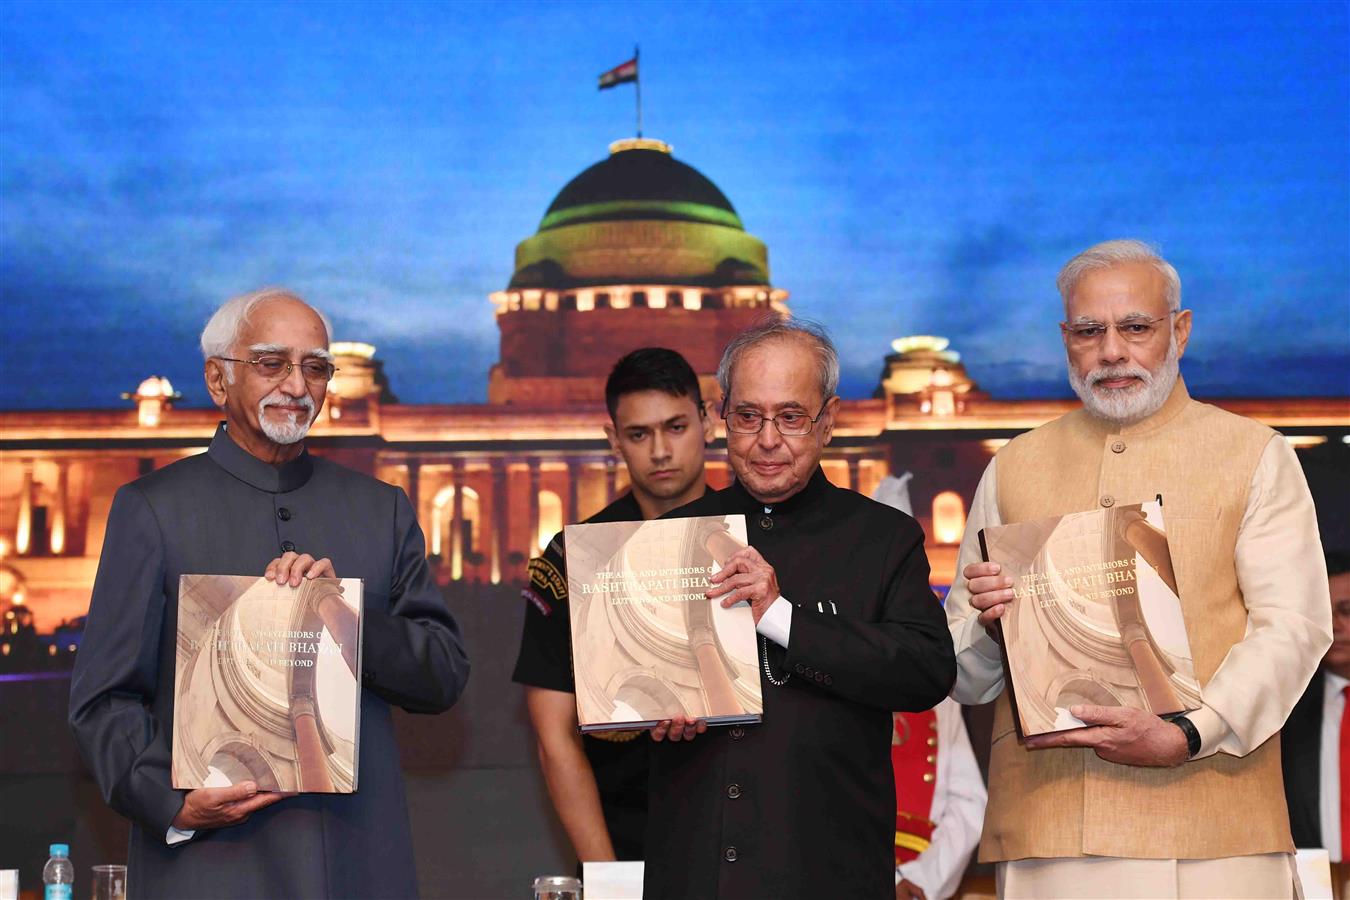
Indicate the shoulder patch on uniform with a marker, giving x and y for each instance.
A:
(539, 602)
(544, 576)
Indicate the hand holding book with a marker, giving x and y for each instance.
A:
(293, 566)
(221, 807)
(1121, 734)
(680, 728)
(990, 593)
(745, 576)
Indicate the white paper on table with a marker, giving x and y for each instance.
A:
(1314, 870)
(612, 880)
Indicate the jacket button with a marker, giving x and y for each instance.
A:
(367, 677)
(733, 791)
(1108, 500)
(932, 742)
(929, 777)
(809, 672)
(284, 514)
(737, 732)
(729, 854)
(819, 677)
(829, 679)
(932, 758)
(801, 669)
(1118, 447)
(287, 547)
(766, 523)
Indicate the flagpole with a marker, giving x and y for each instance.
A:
(637, 83)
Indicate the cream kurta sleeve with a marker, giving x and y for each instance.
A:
(1284, 586)
(1283, 578)
(979, 660)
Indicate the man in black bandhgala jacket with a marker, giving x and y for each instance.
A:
(257, 503)
(802, 805)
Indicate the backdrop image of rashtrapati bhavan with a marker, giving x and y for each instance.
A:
(639, 249)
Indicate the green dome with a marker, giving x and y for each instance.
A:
(640, 180)
(640, 217)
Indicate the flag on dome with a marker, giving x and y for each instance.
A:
(620, 74)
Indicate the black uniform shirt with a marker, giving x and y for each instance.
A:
(619, 758)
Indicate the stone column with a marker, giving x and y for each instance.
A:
(457, 519)
(414, 486)
(500, 532)
(853, 466)
(58, 523)
(573, 491)
(23, 531)
(611, 478)
(533, 544)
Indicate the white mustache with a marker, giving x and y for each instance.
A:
(277, 398)
(1109, 372)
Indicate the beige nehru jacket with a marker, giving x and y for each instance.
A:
(1244, 542)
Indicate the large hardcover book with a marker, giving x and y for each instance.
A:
(1096, 616)
(647, 644)
(268, 684)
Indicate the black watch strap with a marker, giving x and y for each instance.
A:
(1192, 733)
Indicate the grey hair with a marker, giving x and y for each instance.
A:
(1114, 253)
(222, 329)
(778, 328)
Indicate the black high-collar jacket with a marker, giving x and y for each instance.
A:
(803, 804)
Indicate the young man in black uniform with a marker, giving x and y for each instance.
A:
(660, 426)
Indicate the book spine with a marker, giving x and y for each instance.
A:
(1007, 668)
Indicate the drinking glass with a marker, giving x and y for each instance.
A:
(110, 883)
(557, 887)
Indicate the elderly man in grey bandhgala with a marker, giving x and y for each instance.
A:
(258, 503)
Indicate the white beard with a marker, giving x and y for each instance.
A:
(294, 429)
(1126, 406)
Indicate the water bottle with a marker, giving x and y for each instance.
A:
(58, 875)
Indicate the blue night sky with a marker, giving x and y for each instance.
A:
(914, 168)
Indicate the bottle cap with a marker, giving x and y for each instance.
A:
(59, 850)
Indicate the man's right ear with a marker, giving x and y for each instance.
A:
(612, 436)
(214, 373)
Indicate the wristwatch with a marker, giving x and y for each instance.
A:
(1187, 728)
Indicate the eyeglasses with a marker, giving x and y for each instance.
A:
(791, 423)
(1136, 330)
(275, 368)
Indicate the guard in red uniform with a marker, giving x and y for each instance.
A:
(939, 801)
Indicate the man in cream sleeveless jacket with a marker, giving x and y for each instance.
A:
(1134, 805)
